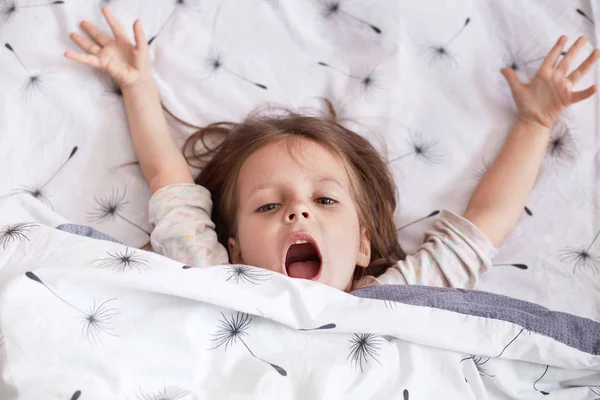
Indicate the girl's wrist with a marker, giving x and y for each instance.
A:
(534, 125)
(542, 127)
(139, 84)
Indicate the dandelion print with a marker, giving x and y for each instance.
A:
(167, 393)
(582, 258)
(422, 149)
(333, 9)
(440, 53)
(232, 329)
(432, 214)
(123, 261)
(539, 379)
(364, 346)
(111, 207)
(14, 233)
(215, 64)
(246, 274)
(95, 322)
(369, 81)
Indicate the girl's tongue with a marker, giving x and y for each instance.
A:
(302, 261)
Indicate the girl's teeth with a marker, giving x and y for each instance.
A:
(301, 241)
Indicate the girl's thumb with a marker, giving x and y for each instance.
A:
(511, 77)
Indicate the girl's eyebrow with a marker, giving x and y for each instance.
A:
(330, 179)
(261, 187)
(321, 179)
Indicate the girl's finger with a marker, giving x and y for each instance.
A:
(100, 37)
(511, 77)
(86, 59)
(85, 44)
(140, 37)
(550, 60)
(584, 94)
(565, 63)
(113, 22)
(585, 67)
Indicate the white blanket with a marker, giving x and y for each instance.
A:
(93, 319)
(419, 78)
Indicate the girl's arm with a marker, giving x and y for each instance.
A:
(498, 201)
(161, 161)
(131, 67)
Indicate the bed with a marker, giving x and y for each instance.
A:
(419, 79)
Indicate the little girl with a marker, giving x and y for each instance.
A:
(304, 196)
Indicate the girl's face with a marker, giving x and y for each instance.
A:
(296, 214)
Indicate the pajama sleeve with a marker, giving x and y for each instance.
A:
(453, 254)
(182, 227)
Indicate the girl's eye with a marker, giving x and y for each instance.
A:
(326, 201)
(268, 207)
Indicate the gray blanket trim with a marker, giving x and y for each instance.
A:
(577, 332)
(86, 231)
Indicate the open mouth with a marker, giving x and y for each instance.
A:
(302, 258)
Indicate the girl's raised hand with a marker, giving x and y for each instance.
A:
(127, 63)
(550, 92)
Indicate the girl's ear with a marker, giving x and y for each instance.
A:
(364, 251)
(235, 252)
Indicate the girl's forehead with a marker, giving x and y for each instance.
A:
(292, 158)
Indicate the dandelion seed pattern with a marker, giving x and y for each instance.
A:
(95, 322)
(215, 64)
(115, 89)
(364, 346)
(480, 362)
(582, 258)
(422, 149)
(178, 5)
(231, 330)
(509, 343)
(34, 82)
(9, 8)
(584, 15)
(166, 393)
(539, 379)
(38, 192)
(320, 328)
(111, 207)
(441, 54)
(98, 320)
(561, 146)
(246, 274)
(123, 261)
(519, 266)
(517, 62)
(14, 233)
(369, 81)
(76, 395)
(332, 9)
(432, 214)
(390, 304)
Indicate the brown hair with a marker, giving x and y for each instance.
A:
(373, 186)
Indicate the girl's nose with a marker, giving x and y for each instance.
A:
(298, 211)
(303, 214)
